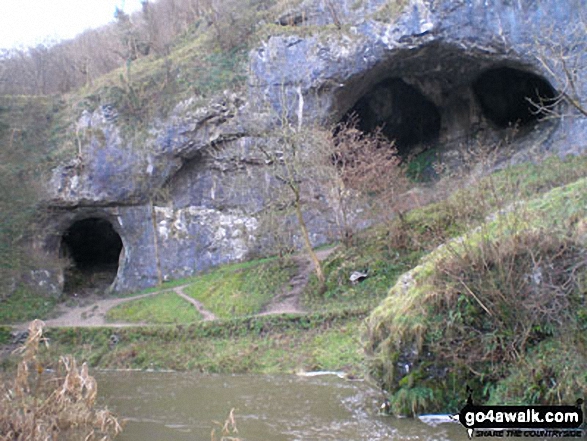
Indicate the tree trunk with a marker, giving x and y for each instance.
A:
(156, 244)
(307, 242)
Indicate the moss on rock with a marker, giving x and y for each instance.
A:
(481, 304)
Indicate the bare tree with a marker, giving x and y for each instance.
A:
(369, 165)
(567, 58)
(289, 157)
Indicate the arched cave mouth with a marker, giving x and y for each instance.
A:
(512, 97)
(92, 248)
(402, 112)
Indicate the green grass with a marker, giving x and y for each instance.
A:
(5, 335)
(336, 349)
(388, 251)
(241, 289)
(435, 223)
(390, 10)
(164, 286)
(156, 86)
(420, 168)
(24, 305)
(268, 344)
(371, 254)
(229, 291)
(165, 308)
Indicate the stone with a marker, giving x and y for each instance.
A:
(357, 277)
(189, 192)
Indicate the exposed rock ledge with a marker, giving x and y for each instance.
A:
(441, 73)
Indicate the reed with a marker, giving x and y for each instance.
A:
(38, 404)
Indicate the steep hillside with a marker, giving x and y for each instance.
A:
(501, 308)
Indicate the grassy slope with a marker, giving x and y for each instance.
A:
(206, 60)
(451, 320)
(388, 252)
(162, 308)
(329, 339)
(229, 291)
(267, 344)
(25, 305)
(241, 289)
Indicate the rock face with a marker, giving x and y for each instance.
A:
(187, 195)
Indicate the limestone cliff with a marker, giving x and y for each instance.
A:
(185, 194)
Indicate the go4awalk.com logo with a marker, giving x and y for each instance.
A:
(523, 421)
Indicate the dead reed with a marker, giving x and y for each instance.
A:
(38, 405)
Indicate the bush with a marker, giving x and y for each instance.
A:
(478, 308)
(41, 406)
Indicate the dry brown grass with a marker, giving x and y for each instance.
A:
(228, 430)
(507, 294)
(38, 405)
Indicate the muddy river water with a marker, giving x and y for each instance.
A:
(183, 406)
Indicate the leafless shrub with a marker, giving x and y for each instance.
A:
(59, 67)
(369, 162)
(568, 67)
(334, 14)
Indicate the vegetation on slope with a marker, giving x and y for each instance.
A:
(164, 308)
(478, 308)
(330, 336)
(25, 304)
(27, 127)
(229, 291)
(387, 251)
(242, 289)
(154, 33)
(497, 301)
(264, 344)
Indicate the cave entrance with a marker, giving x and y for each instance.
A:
(92, 249)
(510, 97)
(402, 112)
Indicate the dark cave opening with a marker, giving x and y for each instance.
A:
(511, 97)
(92, 248)
(402, 112)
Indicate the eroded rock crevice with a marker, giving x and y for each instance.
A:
(92, 249)
(443, 98)
(511, 97)
(402, 113)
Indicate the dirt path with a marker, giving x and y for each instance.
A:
(206, 315)
(94, 312)
(289, 302)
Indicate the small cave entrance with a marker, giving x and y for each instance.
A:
(510, 97)
(402, 112)
(92, 250)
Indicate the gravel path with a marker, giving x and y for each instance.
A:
(206, 315)
(94, 312)
(289, 302)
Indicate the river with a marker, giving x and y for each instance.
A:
(183, 406)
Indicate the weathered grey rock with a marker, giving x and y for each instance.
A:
(188, 193)
(357, 277)
(440, 47)
(113, 170)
